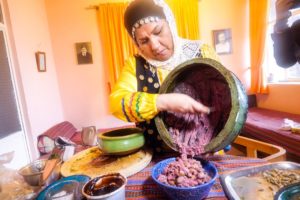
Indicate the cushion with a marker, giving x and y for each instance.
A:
(45, 141)
(265, 125)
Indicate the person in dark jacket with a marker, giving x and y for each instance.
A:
(286, 38)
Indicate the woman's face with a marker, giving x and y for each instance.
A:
(155, 40)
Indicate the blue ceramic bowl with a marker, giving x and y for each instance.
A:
(190, 193)
(289, 192)
(82, 179)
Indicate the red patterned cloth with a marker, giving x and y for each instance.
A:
(264, 124)
(45, 141)
(76, 138)
(141, 186)
(67, 130)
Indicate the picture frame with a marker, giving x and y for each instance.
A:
(222, 41)
(84, 53)
(41, 61)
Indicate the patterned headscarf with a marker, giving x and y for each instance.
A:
(140, 12)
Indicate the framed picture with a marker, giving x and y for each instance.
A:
(40, 61)
(222, 41)
(84, 53)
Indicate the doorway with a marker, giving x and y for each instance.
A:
(12, 134)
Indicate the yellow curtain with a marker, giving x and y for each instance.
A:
(186, 13)
(259, 10)
(117, 45)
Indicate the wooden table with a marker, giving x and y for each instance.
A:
(141, 185)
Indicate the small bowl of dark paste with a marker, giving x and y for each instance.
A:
(185, 178)
(109, 186)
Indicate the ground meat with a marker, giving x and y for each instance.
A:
(191, 132)
(184, 172)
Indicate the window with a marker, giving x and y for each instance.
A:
(275, 73)
(12, 134)
(1, 15)
(9, 116)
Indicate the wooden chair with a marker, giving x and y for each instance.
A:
(243, 146)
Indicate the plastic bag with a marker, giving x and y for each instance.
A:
(12, 185)
(289, 124)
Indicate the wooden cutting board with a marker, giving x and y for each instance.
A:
(92, 162)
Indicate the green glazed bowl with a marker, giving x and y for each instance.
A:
(121, 141)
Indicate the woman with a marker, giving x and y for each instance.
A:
(286, 38)
(151, 25)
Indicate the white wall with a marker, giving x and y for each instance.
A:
(29, 33)
(83, 87)
(67, 91)
(233, 15)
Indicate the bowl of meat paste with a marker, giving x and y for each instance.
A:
(185, 178)
(210, 83)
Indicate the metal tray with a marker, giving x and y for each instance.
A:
(226, 179)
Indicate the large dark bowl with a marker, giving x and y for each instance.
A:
(210, 83)
(181, 193)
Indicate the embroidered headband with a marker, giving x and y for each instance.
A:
(141, 12)
(141, 22)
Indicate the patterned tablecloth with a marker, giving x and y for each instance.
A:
(141, 185)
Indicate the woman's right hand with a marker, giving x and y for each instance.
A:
(283, 7)
(180, 103)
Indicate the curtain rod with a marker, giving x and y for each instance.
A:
(92, 7)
